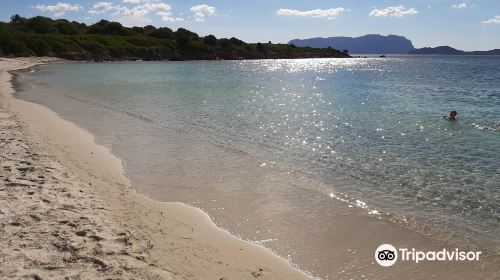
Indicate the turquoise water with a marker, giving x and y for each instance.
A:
(368, 131)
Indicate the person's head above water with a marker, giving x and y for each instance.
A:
(453, 115)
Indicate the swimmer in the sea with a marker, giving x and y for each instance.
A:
(452, 117)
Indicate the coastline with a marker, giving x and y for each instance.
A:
(75, 148)
(69, 211)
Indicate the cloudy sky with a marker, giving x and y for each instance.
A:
(464, 24)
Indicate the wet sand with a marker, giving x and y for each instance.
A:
(68, 212)
(186, 244)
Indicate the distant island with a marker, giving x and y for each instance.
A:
(104, 40)
(447, 50)
(368, 44)
(442, 50)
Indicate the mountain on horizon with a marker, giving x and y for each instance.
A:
(447, 50)
(367, 44)
(441, 50)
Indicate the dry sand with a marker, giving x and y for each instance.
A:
(68, 212)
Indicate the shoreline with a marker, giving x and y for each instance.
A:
(119, 230)
(105, 165)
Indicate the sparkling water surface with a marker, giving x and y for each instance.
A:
(371, 130)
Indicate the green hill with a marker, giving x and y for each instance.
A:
(104, 40)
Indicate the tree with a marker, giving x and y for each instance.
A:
(41, 25)
(137, 29)
(160, 33)
(261, 47)
(149, 28)
(225, 43)
(114, 28)
(67, 28)
(97, 28)
(210, 40)
(10, 44)
(38, 46)
(236, 41)
(187, 33)
(17, 20)
(185, 37)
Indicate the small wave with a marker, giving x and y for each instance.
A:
(264, 241)
(493, 127)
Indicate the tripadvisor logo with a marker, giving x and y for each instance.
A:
(387, 255)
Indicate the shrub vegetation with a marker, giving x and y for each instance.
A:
(104, 40)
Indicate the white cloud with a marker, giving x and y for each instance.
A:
(138, 14)
(202, 11)
(142, 10)
(131, 12)
(318, 13)
(156, 7)
(140, 1)
(398, 11)
(167, 16)
(102, 7)
(134, 20)
(460, 6)
(59, 9)
(494, 20)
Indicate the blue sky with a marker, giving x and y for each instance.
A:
(464, 24)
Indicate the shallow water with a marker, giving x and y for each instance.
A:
(266, 147)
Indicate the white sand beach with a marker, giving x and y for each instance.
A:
(68, 212)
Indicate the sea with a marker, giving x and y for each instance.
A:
(316, 159)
